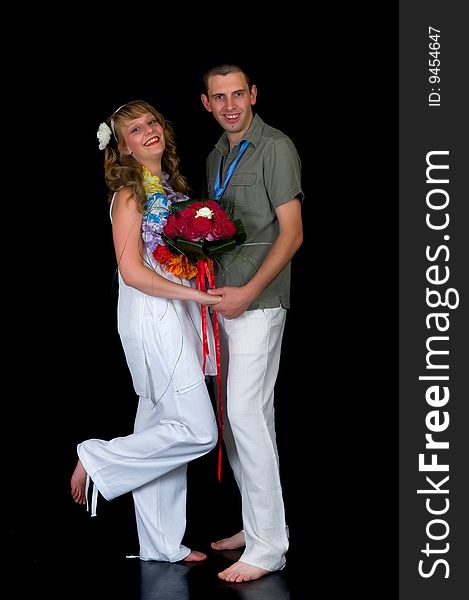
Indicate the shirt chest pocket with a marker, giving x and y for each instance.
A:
(242, 188)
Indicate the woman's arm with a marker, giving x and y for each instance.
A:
(128, 245)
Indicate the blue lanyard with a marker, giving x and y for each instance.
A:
(219, 189)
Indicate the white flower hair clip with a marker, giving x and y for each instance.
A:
(104, 135)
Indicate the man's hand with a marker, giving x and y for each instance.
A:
(234, 301)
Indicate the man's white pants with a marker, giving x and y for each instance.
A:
(251, 347)
(152, 463)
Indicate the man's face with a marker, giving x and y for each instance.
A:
(230, 101)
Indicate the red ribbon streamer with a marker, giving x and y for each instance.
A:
(205, 273)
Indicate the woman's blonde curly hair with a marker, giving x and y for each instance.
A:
(122, 169)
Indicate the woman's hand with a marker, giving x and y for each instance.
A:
(207, 299)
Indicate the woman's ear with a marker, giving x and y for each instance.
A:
(124, 150)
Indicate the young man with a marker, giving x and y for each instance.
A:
(254, 171)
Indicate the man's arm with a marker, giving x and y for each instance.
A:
(235, 300)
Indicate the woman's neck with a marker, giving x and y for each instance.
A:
(154, 167)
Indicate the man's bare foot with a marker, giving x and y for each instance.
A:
(239, 572)
(78, 484)
(195, 556)
(232, 543)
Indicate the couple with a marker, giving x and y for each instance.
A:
(254, 171)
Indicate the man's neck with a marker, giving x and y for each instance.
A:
(235, 138)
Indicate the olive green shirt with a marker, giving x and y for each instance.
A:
(267, 176)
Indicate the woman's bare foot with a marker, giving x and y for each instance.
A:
(195, 556)
(78, 484)
(232, 543)
(239, 572)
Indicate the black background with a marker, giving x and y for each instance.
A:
(323, 86)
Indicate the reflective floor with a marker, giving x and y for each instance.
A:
(59, 551)
(132, 579)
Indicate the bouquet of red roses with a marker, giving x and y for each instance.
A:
(194, 232)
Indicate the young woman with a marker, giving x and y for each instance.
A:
(159, 322)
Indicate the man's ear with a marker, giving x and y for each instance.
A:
(205, 102)
(253, 95)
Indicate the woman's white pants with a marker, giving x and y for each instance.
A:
(152, 463)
